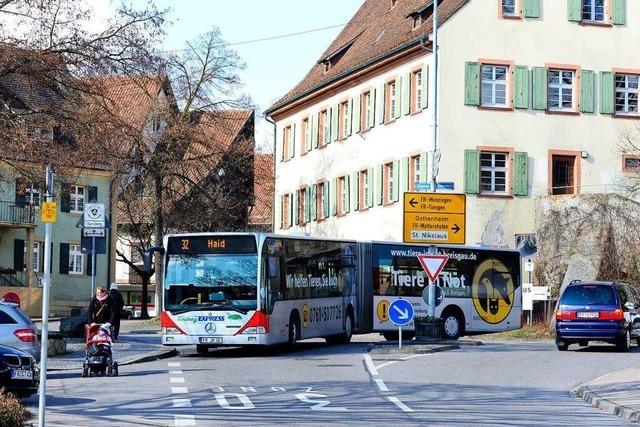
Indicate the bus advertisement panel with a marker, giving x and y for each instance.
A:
(478, 290)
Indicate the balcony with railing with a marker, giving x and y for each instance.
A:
(16, 215)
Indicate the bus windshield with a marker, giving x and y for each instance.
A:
(211, 282)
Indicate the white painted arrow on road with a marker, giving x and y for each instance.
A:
(402, 314)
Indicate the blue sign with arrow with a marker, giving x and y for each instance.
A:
(401, 312)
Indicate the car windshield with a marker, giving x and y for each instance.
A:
(211, 282)
(589, 295)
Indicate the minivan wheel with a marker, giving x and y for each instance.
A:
(583, 343)
(563, 346)
(625, 342)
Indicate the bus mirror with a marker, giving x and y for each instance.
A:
(147, 257)
(273, 267)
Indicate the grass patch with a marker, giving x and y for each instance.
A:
(154, 321)
(535, 332)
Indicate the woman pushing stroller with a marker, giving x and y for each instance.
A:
(98, 337)
(102, 308)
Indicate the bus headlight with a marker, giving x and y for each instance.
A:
(171, 331)
(255, 330)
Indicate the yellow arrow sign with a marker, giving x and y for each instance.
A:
(434, 218)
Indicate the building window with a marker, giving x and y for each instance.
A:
(286, 141)
(77, 199)
(593, 10)
(416, 171)
(561, 90)
(366, 115)
(285, 212)
(33, 194)
(388, 182)
(304, 136)
(37, 251)
(302, 206)
(563, 174)
(343, 196)
(325, 127)
(343, 118)
(509, 8)
(627, 94)
(364, 189)
(392, 103)
(493, 173)
(417, 21)
(631, 163)
(156, 124)
(321, 201)
(494, 85)
(416, 91)
(76, 259)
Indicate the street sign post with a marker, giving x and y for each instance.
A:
(432, 264)
(94, 224)
(531, 293)
(434, 218)
(401, 313)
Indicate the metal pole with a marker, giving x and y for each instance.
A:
(431, 307)
(399, 337)
(434, 157)
(93, 265)
(44, 342)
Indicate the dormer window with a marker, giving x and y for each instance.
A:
(327, 66)
(393, 3)
(421, 15)
(417, 21)
(332, 59)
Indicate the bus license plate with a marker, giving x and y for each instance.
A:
(589, 315)
(211, 340)
(21, 374)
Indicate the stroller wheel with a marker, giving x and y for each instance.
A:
(109, 371)
(85, 371)
(115, 369)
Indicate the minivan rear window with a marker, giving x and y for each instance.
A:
(588, 295)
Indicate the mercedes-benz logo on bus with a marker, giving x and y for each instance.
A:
(210, 328)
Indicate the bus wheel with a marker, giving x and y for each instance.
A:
(202, 349)
(294, 330)
(345, 337)
(453, 322)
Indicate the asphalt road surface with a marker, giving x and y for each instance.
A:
(495, 384)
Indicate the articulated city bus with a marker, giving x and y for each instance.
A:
(255, 288)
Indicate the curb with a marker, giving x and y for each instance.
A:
(131, 360)
(606, 405)
(412, 349)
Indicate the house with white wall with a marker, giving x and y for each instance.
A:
(534, 98)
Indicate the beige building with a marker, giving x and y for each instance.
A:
(534, 99)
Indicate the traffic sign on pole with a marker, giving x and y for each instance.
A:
(401, 312)
(434, 218)
(94, 216)
(433, 265)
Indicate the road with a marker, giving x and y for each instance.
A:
(494, 384)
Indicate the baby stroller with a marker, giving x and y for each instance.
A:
(98, 358)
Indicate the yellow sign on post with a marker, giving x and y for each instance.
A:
(434, 218)
(49, 212)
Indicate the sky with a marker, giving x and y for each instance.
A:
(272, 67)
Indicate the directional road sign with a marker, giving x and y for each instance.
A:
(433, 265)
(94, 215)
(434, 218)
(401, 312)
(94, 232)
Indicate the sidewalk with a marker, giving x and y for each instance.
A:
(617, 393)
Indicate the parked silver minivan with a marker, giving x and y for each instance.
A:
(17, 330)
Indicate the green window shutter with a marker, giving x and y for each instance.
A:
(326, 194)
(369, 200)
(574, 10)
(398, 110)
(472, 83)
(356, 118)
(347, 194)
(313, 202)
(521, 95)
(587, 91)
(532, 8)
(349, 118)
(296, 217)
(314, 130)
(380, 104)
(619, 12)
(379, 183)
(64, 258)
(307, 210)
(18, 255)
(520, 174)
(292, 146)
(355, 190)
(395, 196)
(93, 194)
(425, 87)
(424, 166)
(406, 94)
(334, 122)
(540, 84)
(471, 171)
(606, 92)
(404, 175)
(334, 196)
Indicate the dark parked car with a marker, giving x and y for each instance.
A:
(19, 373)
(598, 311)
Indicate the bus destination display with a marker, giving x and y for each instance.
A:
(211, 244)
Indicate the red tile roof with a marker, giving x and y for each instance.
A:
(261, 213)
(375, 30)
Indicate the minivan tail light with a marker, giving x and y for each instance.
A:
(565, 315)
(617, 314)
(25, 335)
(258, 324)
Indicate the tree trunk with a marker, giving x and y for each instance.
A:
(158, 231)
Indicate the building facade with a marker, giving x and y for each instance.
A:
(535, 98)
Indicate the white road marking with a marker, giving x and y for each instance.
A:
(174, 364)
(385, 364)
(179, 390)
(399, 403)
(381, 385)
(181, 403)
(176, 380)
(175, 372)
(370, 367)
(415, 355)
(184, 420)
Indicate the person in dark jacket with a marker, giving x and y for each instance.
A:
(118, 304)
(101, 308)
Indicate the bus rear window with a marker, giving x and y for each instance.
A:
(589, 295)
